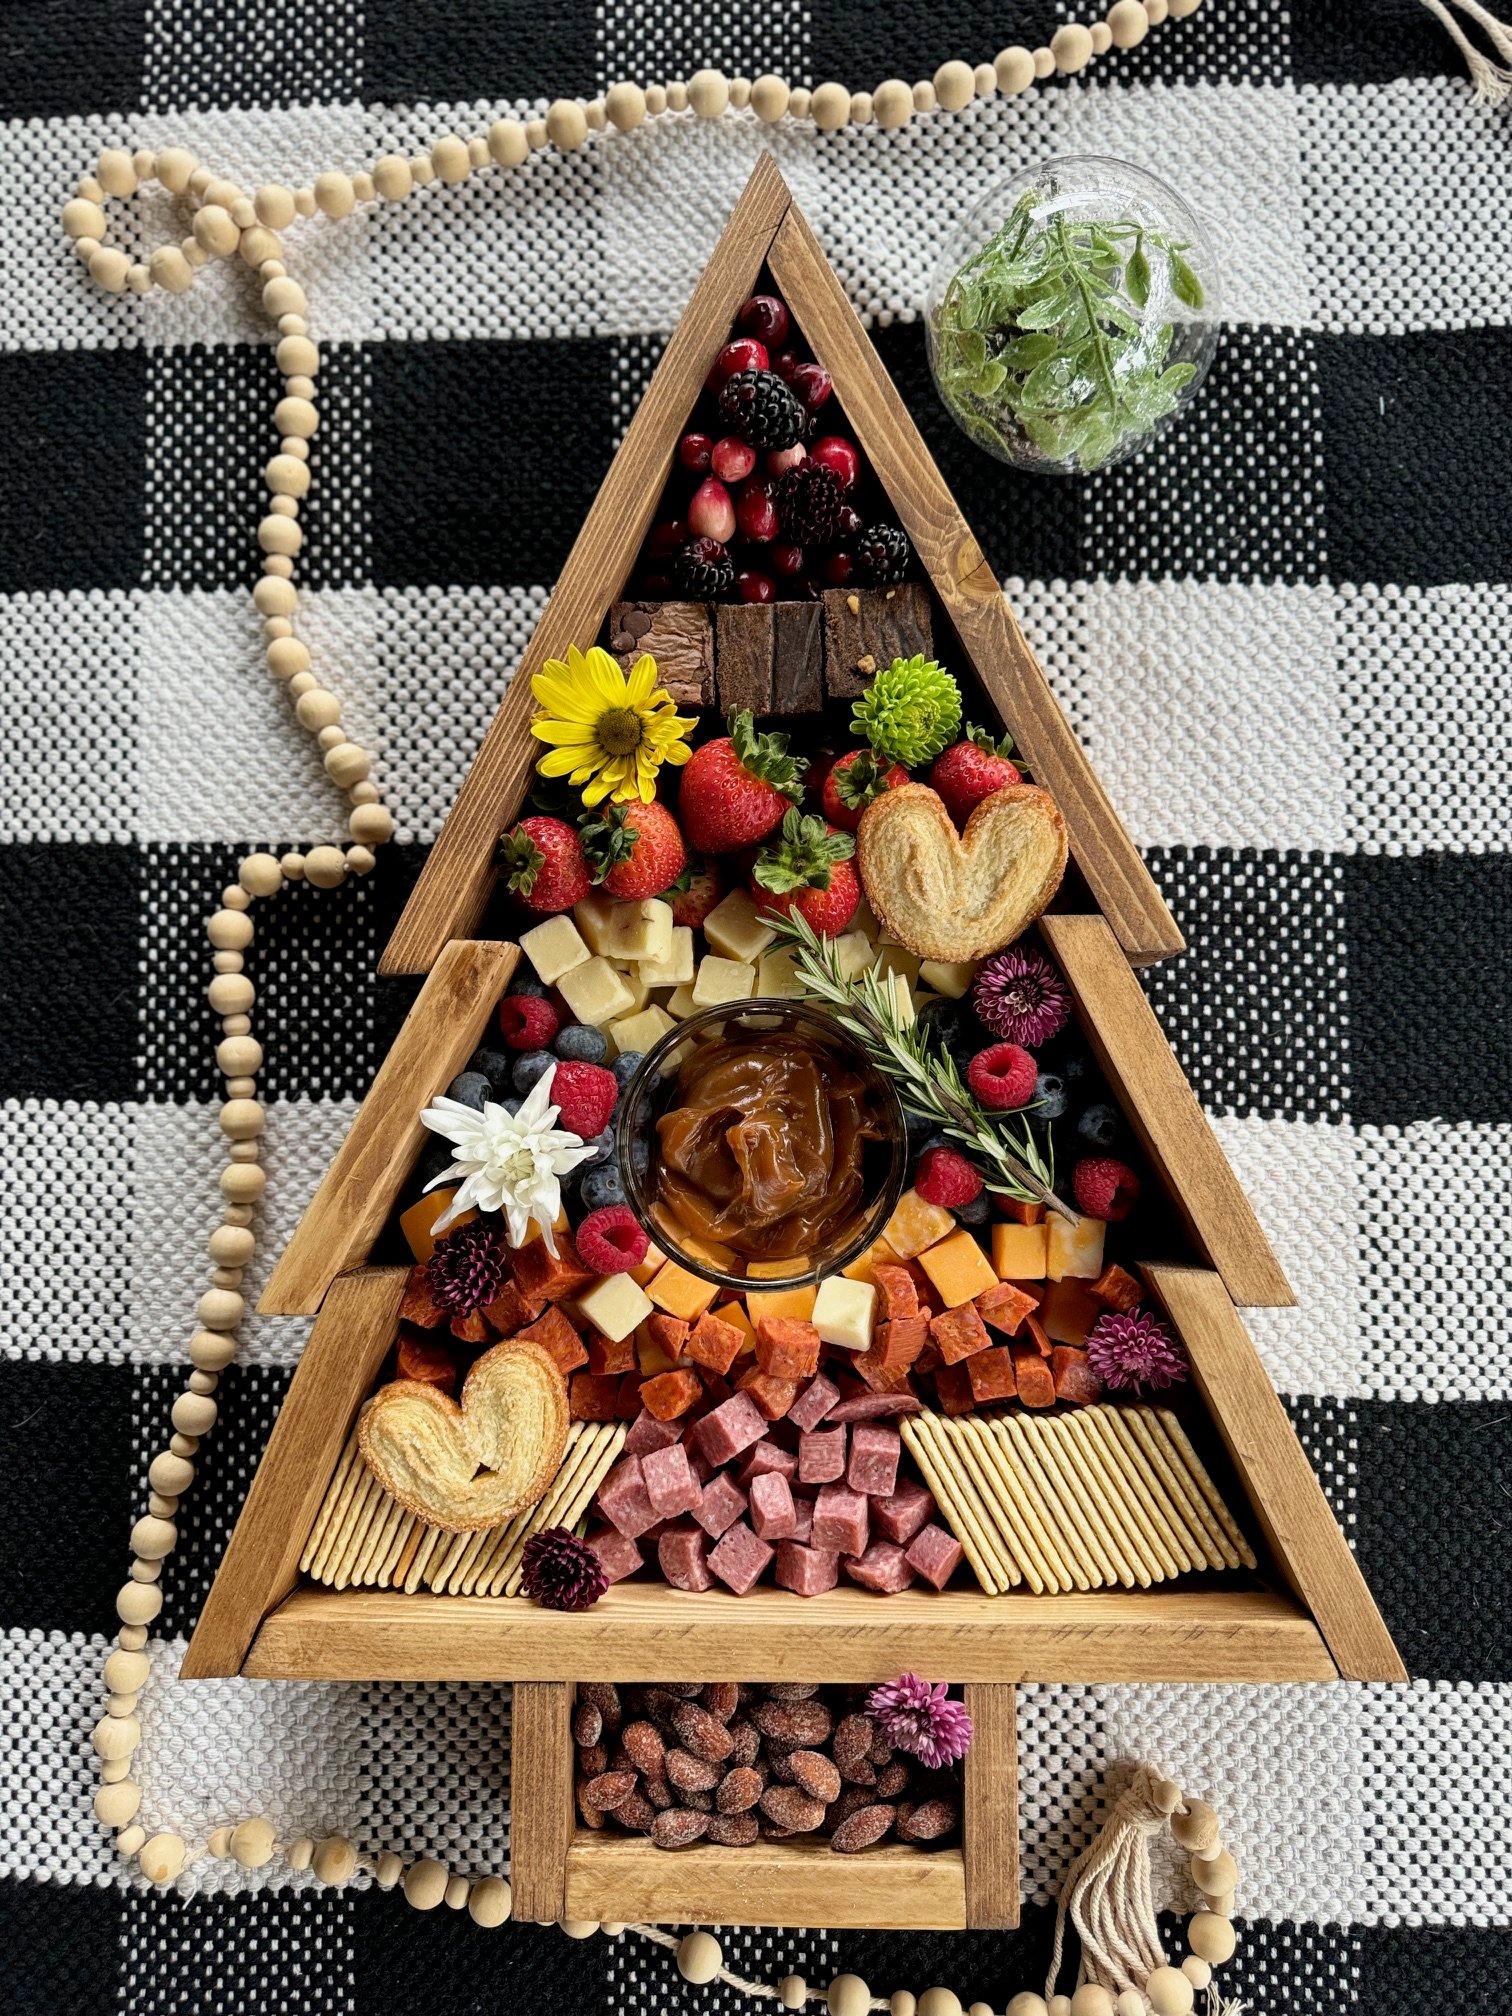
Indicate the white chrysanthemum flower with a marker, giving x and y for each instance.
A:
(508, 1162)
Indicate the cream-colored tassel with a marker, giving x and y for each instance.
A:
(1108, 1898)
(1492, 81)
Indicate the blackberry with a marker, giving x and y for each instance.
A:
(808, 503)
(760, 409)
(702, 570)
(882, 555)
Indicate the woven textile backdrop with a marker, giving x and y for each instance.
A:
(1283, 634)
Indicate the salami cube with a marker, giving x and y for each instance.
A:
(739, 1559)
(772, 1506)
(670, 1484)
(715, 1391)
(934, 1554)
(555, 1276)
(1036, 1381)
(617, 1552)
(510, 1311)
(772, 1395)
(624, 1501)
(840, 1520)
(896, 1294)
(807, 1571)
(803, 1517)
(556, 1335)
(959, 1332)
(670, 1394)
(647, 1433)
(1117, 1290)
(768, 1456)
(714, 1343)
(884, 1566)
(721, 1503)
(592, 1397)
(1005, 1307)
(1074, 1378)
(821, 1456)
(992, 1376)
(682, 1551)
(629, 1395)
(813, 1403)
(732, 1426)
(953, 1389)
(606, 1357)
(898, 1518)
(874, 1453)
(698, 1463)
(786, 1347)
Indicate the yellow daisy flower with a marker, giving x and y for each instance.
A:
(611, 733)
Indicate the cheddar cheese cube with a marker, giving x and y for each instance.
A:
(649, 1267)
(677, 967)
(594, 992)
(554, 947)
(418, 1223)
(797, 1304)
(1074, 1248)
(680, 1293)
(615, 1305)
(734, 927)
(959, 1269)
(916, 1224)
(1019, 1251)
(721, 980)
(879, 1253)
(844, 1312)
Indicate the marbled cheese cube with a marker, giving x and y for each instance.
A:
(734, 928)
(721, 980)
(639, 1032)
(615, 1305)
(595, 992)
(641, 930)
(853, 954)
(775, 978)
(843, 1313)
(677, 966)
(554, 947)
(948, 977)
(1074, 1251)
(916, 1224)
(592, 919)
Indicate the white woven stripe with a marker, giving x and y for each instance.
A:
(70, 668)
(50, 1699)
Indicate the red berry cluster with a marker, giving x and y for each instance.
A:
(768, 499)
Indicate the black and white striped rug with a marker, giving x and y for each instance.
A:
(1282, 634)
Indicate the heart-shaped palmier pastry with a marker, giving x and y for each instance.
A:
(477, 1464)
(957, 896)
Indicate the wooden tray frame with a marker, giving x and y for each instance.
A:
(1317, 1623)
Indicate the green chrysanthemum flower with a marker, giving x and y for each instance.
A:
(910, 712)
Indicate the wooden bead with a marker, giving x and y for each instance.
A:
(211, 1350)
(939, 2002)
(229, 931)
(287, 476)
(371, 824)
(221, 1308)
(861, 108)
(130, 1841)
(174, 167)
(318, 709)
(708, 93)
(1102, 38)
(83, 219)
(228, 962)
(108, 268)
(279, 535)
(300, 1854)
(114, 172)
(273, 597)
(116, 1805)
(985, 79)
(392, 178)
(1156, 11)
(1091, 1999)
(507, 143)
(1169, 1992)
(656, 100)
(138, 1604)
(791, 1990)
(455, 1898)
(260, 875)
(297, 355)
(565, 125)
(1198, 1972)
(387, 1870)
(334, 1861)
(425, 1884)
(365, 793)
(1028, 2004)
(334, 194)
(288, 657)
(252, 1843)
(923, 95)
(361, 860)
(769, 98)
(420, 167)
(489, 1902)
(171, 270)
(325, 867)
(292, 865)
(1182, 10)
(162, 1858)
(243, 216)
(699, 1954)
(273, 205)
(677, 96)
(1071, 46)
(1211, 1938)
(231, 993)
(181, 1444)
(830, 108)
(330, 737)
(214, 232)
(195, 1414)
(955, 86)
(139, 279)
(892, 104)
(152, 1538)
(126, 1672)
(131, 1638)
(145, 1571)
(1044, 63)
(1059, 2005)
(116, 1735)
(1014, 69)
(902, 2002)
(1215, 1875)
(303, 682)
(1165, 1796)
(740, 92)
(347, 764)
(1130, 2003)
(477, 147)
(296, 417)
(625, 106)
(114, 1769)
(1196, 1829)
(449, 158)
(847, 1995)
(166, 1472)
(242, 1119)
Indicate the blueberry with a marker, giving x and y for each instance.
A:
(624, 1066)
(511, 1105)
(582, 1043)
(1076, 1067)
(602, 1146)
(532, 1066)
(495, 1065)
(640, 1158)
(1099, 1125)
(977, 1212)
(435, 1162)
(525, 982)
(1049, 1095)
(470, 1088)
(944, 1020)
(602, 1187)
(935, 1140)
(918, 1127)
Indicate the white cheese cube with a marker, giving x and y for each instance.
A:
(680, 1001)
(865, 920)
(844, 1311)
(775, 978)
(898, 959)
(677, 967)
(641, 930)
(553, 947)
(721, 980)
(734, 927)
(635, 979)
(592, 918)
(595, 992)
(948, 977)
(615, 1305)
(853, 954)
(639, 1032)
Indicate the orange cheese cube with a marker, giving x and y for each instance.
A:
(959, 1269)
(650, 1354)
(1074, 1249)
(648, 1267)
(1069, 1311)
(1018, 1252)
(916, 1224)
(774, 1270)
(878, 1254)
(793, 1304)
(735, 1312)
(680, 1293)
(418, 1223)
(712, 1254)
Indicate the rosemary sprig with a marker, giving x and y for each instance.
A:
(927, 1077)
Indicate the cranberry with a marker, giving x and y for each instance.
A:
(785, 363)
(753, 586)
(848, 523)
(811, 383)
(756, 512)
(834, 452)
(786, 560)
(665, 538)
(733, 458)
(744, 354)
(838, 569)
(694, 451)
(780, 460)
(711, 513)
(764, 316)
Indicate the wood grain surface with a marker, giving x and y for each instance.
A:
(990, 1812)
(540, 1800)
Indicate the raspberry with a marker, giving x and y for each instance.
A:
(584, 1096)
(945, 1177)
(526, 1022)
(610, 1241)
(1105, 1188)
(1002, 1075)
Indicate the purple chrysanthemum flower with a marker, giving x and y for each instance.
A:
(468, 1268)
(1021, 997)
(560, 1571)
(921, 1719)
(1133, 1353)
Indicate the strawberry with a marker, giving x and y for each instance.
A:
(634, 850)
(971, 770)
(541, 861)
(853, 781)
(736, 789)
(695, 892)
(809, 870)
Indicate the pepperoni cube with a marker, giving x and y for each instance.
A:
(787, 1349)
(593, 1398)
(1075, 1381)
(714, 1343)
(1005, 1307)
(959, 1332)
(992, 1376)
(510, 1311)
(896, 1294)
(1036, 1381)
(606, 1357)
(556, 1276)
(1117, 1290)
(670, 1394)
(953, 1389)
(773, 1396)
(555, 1334)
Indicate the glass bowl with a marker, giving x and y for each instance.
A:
(653, 1091)
(1073, 315)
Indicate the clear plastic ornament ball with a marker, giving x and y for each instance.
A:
(1073, 315)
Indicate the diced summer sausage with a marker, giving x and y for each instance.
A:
(740, 1559)
(935, 1554)
(807, 1571)
(899, 1517)
(813, 1403)
(732, 1426)
(670, 1484)
(623, 1499)
(682, 1551)
(884, 1566)
(647, 1433)
(874, 1407)
(722, 1503)
(618, 1554)
(764, 1457)
(874, 1454)
(772, 1506)
(821, 1456)
(840, 1520)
